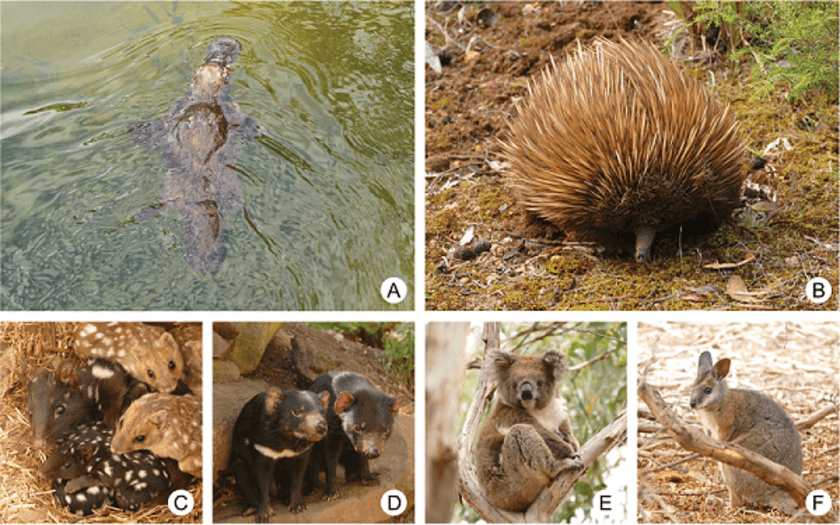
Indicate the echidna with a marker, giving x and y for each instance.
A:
(619, 141)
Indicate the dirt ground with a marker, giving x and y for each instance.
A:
(794, 363)
(488, 52)
(24, 497)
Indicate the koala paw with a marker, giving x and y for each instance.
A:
(571, 463)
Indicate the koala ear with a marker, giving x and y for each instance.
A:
(555, 363)
(502, 361)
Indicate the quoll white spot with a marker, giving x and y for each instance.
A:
(100, 372)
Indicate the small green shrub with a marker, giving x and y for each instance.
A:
(792, 43)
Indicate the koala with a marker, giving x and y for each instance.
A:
(527, 440)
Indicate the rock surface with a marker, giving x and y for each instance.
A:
(228, 400)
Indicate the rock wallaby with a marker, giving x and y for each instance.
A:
(527, 439)
(752, 420)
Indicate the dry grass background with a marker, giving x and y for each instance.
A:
(794, 363)
(25, 498)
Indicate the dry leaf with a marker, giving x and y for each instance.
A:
(737, 290)
(765, 206)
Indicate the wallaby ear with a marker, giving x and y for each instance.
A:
(704, 364)
(721, 368)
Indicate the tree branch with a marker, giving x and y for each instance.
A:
(560, 489)
(730, 453)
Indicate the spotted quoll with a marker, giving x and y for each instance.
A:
(148, 353)
(87, 475)
(168, 426)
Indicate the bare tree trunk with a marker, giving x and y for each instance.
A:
(446, 359)
(468, 483)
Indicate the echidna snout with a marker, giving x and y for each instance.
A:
(644, 240)
(618, 143)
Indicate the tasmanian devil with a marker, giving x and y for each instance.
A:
(360, 419)
(274, 433)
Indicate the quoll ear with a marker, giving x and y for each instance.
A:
(158, 419)
(344, 401)
(325, 399)
(86, 452)
(66, 373)
(722, 368)
(166, 340)
(273, 396)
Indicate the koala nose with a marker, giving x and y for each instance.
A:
(526, 391)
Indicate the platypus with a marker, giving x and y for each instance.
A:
(198, 137)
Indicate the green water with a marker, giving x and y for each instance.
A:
(329, 184)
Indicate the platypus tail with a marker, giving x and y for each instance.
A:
(205, 236)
